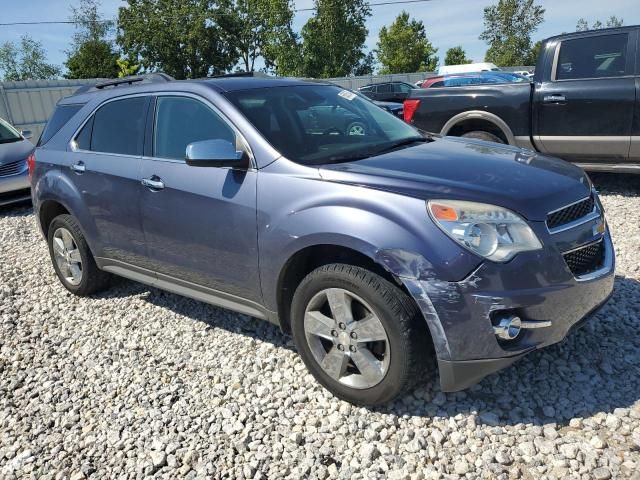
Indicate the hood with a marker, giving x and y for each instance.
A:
(449, 168)
(12, 152)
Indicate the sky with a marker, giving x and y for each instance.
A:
(448, 23)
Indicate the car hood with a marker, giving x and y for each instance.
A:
(450, 168)
(12, 152)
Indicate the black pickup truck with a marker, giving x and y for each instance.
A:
(583, 104)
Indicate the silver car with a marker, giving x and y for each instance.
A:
(15, 148)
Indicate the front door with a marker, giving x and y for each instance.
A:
(199, 222)
(585, 112)
(106, 161)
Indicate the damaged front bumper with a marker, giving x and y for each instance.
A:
(536, 286)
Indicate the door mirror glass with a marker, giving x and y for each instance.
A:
(214, 153)
(26, 134)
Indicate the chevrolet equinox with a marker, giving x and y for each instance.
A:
(379, 248)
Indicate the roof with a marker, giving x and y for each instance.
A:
(158, 82)
(626, 29)
(231, 84)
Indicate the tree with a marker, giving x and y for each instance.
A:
(26, 61)
(613, 22)
(508, 26)
(126, 67)
(262, 26)
(92, 55)
(333, 39)
(404, 47)
(456, 56)
(183, 38)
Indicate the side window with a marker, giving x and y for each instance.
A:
(83, 139)
(404, 88)
(592, 57)
(183, 120)
(437, 84)
(118, 127)
(385, 88)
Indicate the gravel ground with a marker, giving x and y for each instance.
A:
(137, 382)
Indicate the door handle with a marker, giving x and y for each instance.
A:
(556, 98)
(154, 183)
(78, 167)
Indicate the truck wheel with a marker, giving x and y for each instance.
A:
(72, 260)
(359, 335)
(486, 136)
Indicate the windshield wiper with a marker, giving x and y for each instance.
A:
(402, 143)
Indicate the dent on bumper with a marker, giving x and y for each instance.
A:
(537, 286)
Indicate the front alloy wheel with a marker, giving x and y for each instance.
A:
(346, 338)
(360, 336)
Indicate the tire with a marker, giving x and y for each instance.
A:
(356, 129)
(486, 136)
(91, 279)
(399, 360)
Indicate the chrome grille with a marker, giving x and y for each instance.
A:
(571, 213)
(12, 168)
(586, 259)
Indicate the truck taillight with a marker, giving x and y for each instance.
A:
(31, 163)
(410, 107)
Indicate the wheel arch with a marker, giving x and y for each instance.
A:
(479, 120)
(306, 259)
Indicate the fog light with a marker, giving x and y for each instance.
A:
(508, 328)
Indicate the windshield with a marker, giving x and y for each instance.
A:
(8, 134)
(316, 124)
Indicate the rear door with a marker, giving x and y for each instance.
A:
(106, 161)
(199, 222)
(634, 152)
(585, 112)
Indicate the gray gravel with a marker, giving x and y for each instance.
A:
(138, 382)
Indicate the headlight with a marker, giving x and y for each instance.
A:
(492, 232)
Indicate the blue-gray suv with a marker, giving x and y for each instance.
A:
(379, 248)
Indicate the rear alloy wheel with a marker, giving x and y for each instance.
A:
(359, 335)
(67, 256)
(72, 259)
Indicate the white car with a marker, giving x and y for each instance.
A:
(468, 68)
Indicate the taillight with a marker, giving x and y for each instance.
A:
(410, 107)
(31, 163)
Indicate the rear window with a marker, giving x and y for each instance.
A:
(61, 115)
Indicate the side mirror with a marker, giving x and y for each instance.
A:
(214, 153)
(26, 134)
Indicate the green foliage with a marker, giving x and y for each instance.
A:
(583, 25)
(508, 26)
(456, 56)
(184, 38)
(126, 67)
(93, 59)
(263, 28)
(333, 39)
(92, 55)
(26, 61)
(404, 47)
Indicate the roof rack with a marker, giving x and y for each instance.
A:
(128, 81)
(241, 74)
